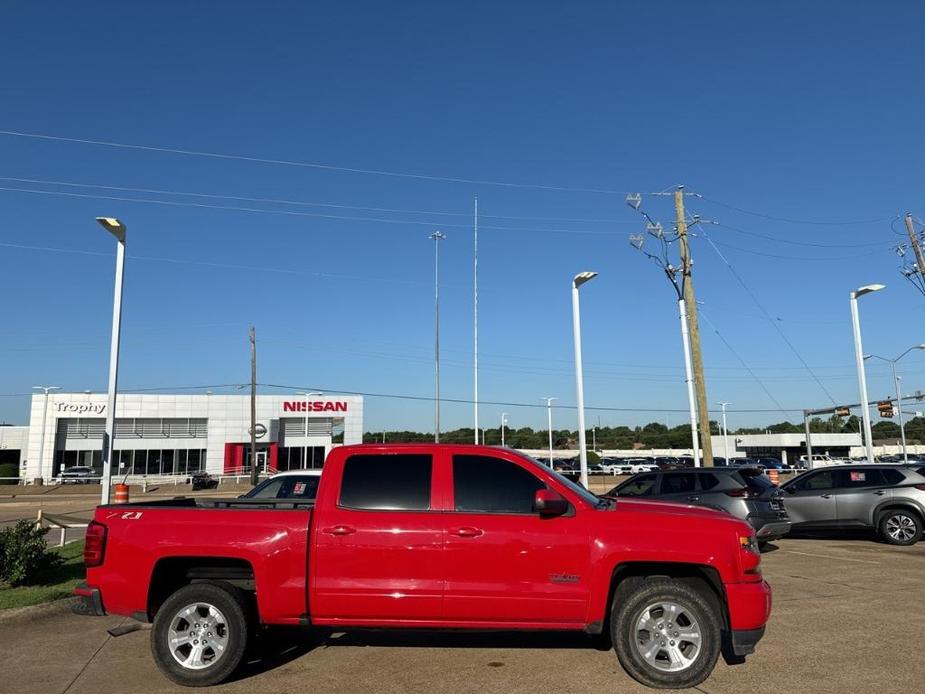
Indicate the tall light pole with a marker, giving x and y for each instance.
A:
(46, 390)
(437, 237)
(117, 229)
(549, 424)
(475, 321)
(579, 280)
(899, 397)
(859, 356)
(725, 432)
(503, 422)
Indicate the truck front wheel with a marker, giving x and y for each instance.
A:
(666, 633)
(200, 634)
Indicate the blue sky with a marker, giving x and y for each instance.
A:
(786, 109)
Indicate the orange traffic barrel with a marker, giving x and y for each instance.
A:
(772, 475)
(121, 495)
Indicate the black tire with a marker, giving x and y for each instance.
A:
(900, 526)
(226, 599)
(628, 607)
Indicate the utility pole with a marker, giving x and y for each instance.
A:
(691, 304)
(914, 242)
(254, 470)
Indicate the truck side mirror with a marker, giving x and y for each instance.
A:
(549, 503)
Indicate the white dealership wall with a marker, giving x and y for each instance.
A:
(228, 421)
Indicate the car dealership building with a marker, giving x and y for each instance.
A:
(157, 434)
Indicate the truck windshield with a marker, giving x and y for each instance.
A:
(576, 488)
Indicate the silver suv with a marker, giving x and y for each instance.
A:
(744, 492)
(887, 498)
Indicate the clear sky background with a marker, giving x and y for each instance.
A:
(796, 111)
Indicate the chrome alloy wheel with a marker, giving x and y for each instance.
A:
(667, 636)
(197, 636)
(900, 527)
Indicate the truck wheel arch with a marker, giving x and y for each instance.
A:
(172, 573)
(628, 574)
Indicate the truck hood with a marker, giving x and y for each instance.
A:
(668, 509)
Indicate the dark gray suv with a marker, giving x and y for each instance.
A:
(887, 498)
(744, 492)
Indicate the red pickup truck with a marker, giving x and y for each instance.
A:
(432, 536)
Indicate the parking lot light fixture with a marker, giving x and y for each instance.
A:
(859, 357)
(725, 431)
(503, 424)
(549, 425)
(117, 229)
(579, 280)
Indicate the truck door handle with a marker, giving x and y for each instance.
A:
(339, 530)
(693, 498)
(466, 532)
(826, 496)
(880, 492)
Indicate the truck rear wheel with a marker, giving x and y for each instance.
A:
(666, 633)
(200, 634)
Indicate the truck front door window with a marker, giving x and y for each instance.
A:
(491, 485)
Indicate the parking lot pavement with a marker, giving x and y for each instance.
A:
(843, 613)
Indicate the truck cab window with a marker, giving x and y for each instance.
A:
(482, 484)
(386, 482)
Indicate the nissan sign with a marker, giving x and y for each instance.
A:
(314, 406)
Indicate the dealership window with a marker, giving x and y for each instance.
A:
(160, 461)
(300, 458)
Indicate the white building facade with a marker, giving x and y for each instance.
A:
(157, 434)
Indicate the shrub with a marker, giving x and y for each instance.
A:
(9, 470)
(24, 555)
(593, 458)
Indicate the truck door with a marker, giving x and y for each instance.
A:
(503, 562)
(378, 547)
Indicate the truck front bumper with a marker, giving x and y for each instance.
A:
(90, 601)
(749, 606)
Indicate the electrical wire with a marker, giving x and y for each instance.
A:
(768, 316)
(808, 244)
(790, 220)
(308, 165)
(779, 256)
(293, 213)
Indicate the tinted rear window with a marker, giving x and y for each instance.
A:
(640, 485)
(679, 484)
(758, 482)
(708, 480)
(387, 482)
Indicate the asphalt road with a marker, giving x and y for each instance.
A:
(844, 613)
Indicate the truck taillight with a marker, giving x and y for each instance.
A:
(94, 544)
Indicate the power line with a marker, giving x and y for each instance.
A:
(205, 263)
(793, 221)
(304, 203)
(464, 401)
(768, 316)
(791, 242)
(292, 213)
(304, 164)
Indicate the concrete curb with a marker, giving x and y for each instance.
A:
(16, 614)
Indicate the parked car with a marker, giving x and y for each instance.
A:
(743, 462)
(887, 498)
(666, 462)
(434, 525)
(78, 474)
(745, 493)
(771, 464)
(686, 461)
(294, 484)
(819, 460)
(719, 461)
(616, 466)
(202, 480)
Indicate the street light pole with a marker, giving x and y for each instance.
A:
(46, 390)
(437, 237)
(549, 424)
(725, 432)
(899, 399)
(859, 356)
(579, 280)
(503, 422)
(117, 229)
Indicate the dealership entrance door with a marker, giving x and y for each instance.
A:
(238, 457)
